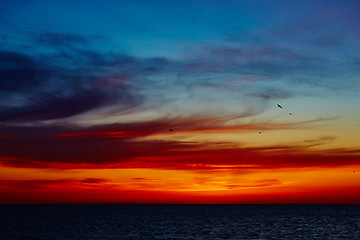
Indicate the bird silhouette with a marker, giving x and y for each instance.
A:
(170, 130)
(279, 106)
(260, 132)
(290, 114)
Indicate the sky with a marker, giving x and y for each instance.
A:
(177, 101)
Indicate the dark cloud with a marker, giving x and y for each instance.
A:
(182, 156)
(35, 90)
(123, 146)
(271, 93)
(20, 72)
(249, 54)
(146, 179)
(60, 39)
(75, 80)
(41, 183)
(56, 107)
(72, 81)
(34, 183)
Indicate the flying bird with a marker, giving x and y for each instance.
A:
(290, 114)
(279, 106)
(260, 132)
(170, 130)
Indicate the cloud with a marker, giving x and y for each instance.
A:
(92, 180)
(312, 27)
(265, 61)
(271, 93)
(60, 39)
(255, 184)
(41, 183)
(19, 72)
(77, 80)
(145, 179)
(319, 141)
(277, 67)
(55, 107)
(33, 184)
(124, 146)
(249, 53)
(34, 90)
(70, 81)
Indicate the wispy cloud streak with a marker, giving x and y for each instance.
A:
(124, 146)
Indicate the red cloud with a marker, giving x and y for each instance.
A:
(40, 183)
(120, 145)
(178, 155)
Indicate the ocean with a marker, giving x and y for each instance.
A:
(111, 221)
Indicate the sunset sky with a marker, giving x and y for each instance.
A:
(90, 90)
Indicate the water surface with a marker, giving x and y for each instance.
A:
(180, 222)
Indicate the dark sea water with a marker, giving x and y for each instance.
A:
(179, 222)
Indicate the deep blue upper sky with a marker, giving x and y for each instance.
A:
(91, 61)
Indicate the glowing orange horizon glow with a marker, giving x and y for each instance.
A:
(289, 185)
(146, 164)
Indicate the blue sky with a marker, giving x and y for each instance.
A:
(78, 64)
